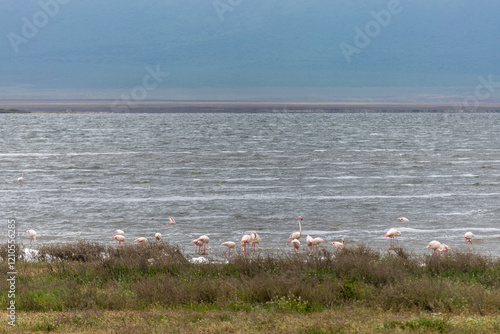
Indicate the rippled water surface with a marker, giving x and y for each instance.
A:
(224, 175)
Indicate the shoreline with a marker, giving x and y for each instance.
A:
(157, 106)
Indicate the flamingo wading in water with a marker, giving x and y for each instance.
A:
(20, 179)
(338, 245)
(295, 235)
(158, 237)
(309, 241)
(403, 219)
(204, 242)
(141, 240)
(255, 241)
(120, 239)
(468, 237)
(392, 233)
(444, 248)
(171, 221)
(229, 245)
(198, 244)
(437, 246)
(316, 242)
(32, 234)
(246, 240)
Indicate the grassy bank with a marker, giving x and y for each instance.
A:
(344, 320)
(358, 287)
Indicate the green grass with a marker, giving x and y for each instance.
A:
(431, 291)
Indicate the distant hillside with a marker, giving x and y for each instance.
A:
(3, 111)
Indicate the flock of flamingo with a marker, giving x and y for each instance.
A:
(253, 239)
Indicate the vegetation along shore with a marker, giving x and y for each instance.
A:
(89, 287)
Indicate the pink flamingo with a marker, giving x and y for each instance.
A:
(120, 239)
(20, 179)
(32, 234)
(435, 245)
(204, 240)
(295, 235)
(246, 240)
(403, 219)
(141, 240)
(158, 237)
(119, 232)
(255, 241)
(468, 237)
(391, 234)
(338, 245)
(198, 244)
(171, 221)
(229, 245)
(296, 245)
(444, 248)
(309, 241)
(316, 242)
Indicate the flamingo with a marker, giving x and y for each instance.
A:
(391, 234)
(158, 237)
(435, 245)
(444, 248)
(171, 221)
(119, 232)
(246, 240)
(204, 239)
(295, 235)
(338, 245)
(32, 234)
(468, 237)
(20, 179)
(309, 241)
(403, 219)
(198, 244)
(229, 245)
(120, 239)
(256, 241)
(141, 240)
(296, 245)
(316, 242)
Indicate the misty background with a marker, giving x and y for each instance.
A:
(249, 49)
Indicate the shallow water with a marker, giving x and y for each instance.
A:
(224, 175)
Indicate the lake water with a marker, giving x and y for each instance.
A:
(348, 175)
